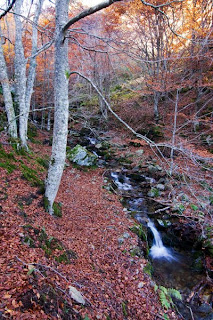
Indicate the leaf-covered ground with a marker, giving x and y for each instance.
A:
(41, 256)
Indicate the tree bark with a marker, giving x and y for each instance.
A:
(8, 101)
(60, 129)
(32, 67)
(20, 75)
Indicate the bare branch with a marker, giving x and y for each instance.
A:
(8, 9)
(161, 5)
(88, 12)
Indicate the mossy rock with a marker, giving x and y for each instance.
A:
(81, 156)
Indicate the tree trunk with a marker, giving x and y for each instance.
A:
(32, 67)
(60, 129)
(8, 101)
(20, 75)
(156, 102)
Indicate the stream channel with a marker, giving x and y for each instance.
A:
(173, 251)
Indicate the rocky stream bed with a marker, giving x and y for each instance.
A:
(185, 268)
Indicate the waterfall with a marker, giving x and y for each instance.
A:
(158, 250)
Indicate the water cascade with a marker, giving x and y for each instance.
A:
(158, 250)
(122, 182)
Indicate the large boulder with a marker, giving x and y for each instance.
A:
(81, 156)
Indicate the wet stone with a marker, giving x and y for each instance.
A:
(126, 235)
(160, 186)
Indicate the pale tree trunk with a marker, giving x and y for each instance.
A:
(174, 133)
(32, 67)
(156, 103)
(60, 129)
(8, 101)
(20, 75)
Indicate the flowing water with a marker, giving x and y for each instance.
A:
(158, 250)
(172, 268)
(172, 259)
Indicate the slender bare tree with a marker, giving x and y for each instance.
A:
(24, 83)
(8, 101)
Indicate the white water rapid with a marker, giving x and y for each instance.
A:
(158, 250)
(122, 185)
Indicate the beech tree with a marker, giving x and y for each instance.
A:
(8, 101)
(24, 83)
(61, 95)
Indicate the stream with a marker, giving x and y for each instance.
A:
(175, 255)
(172, 267)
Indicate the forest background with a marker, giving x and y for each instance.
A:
(146, 67)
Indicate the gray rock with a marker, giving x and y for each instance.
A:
(81, 156)
(139, 152)
(98, 145)
(160, 186)
(126, 235)
(120, 240)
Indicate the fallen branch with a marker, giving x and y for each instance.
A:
(43, 266)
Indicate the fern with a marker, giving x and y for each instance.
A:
(175, 293)
(165, 317)
(166, 295)
(164, 299)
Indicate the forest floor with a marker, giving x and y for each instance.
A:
(42, 256)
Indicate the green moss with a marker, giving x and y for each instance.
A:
(135, 252)
(16, 145)
(57, 209)
(63, 258)
(92, 102)
(31, 176)
(3, 121)
(8, 166)
(6, 155)
(29, 241)
(38, 238)
(154, 193)
(32, 131)
(46, 204)
(122, 95)
(140, 231)
(148, 269)
(7, 160)
(44, 162)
